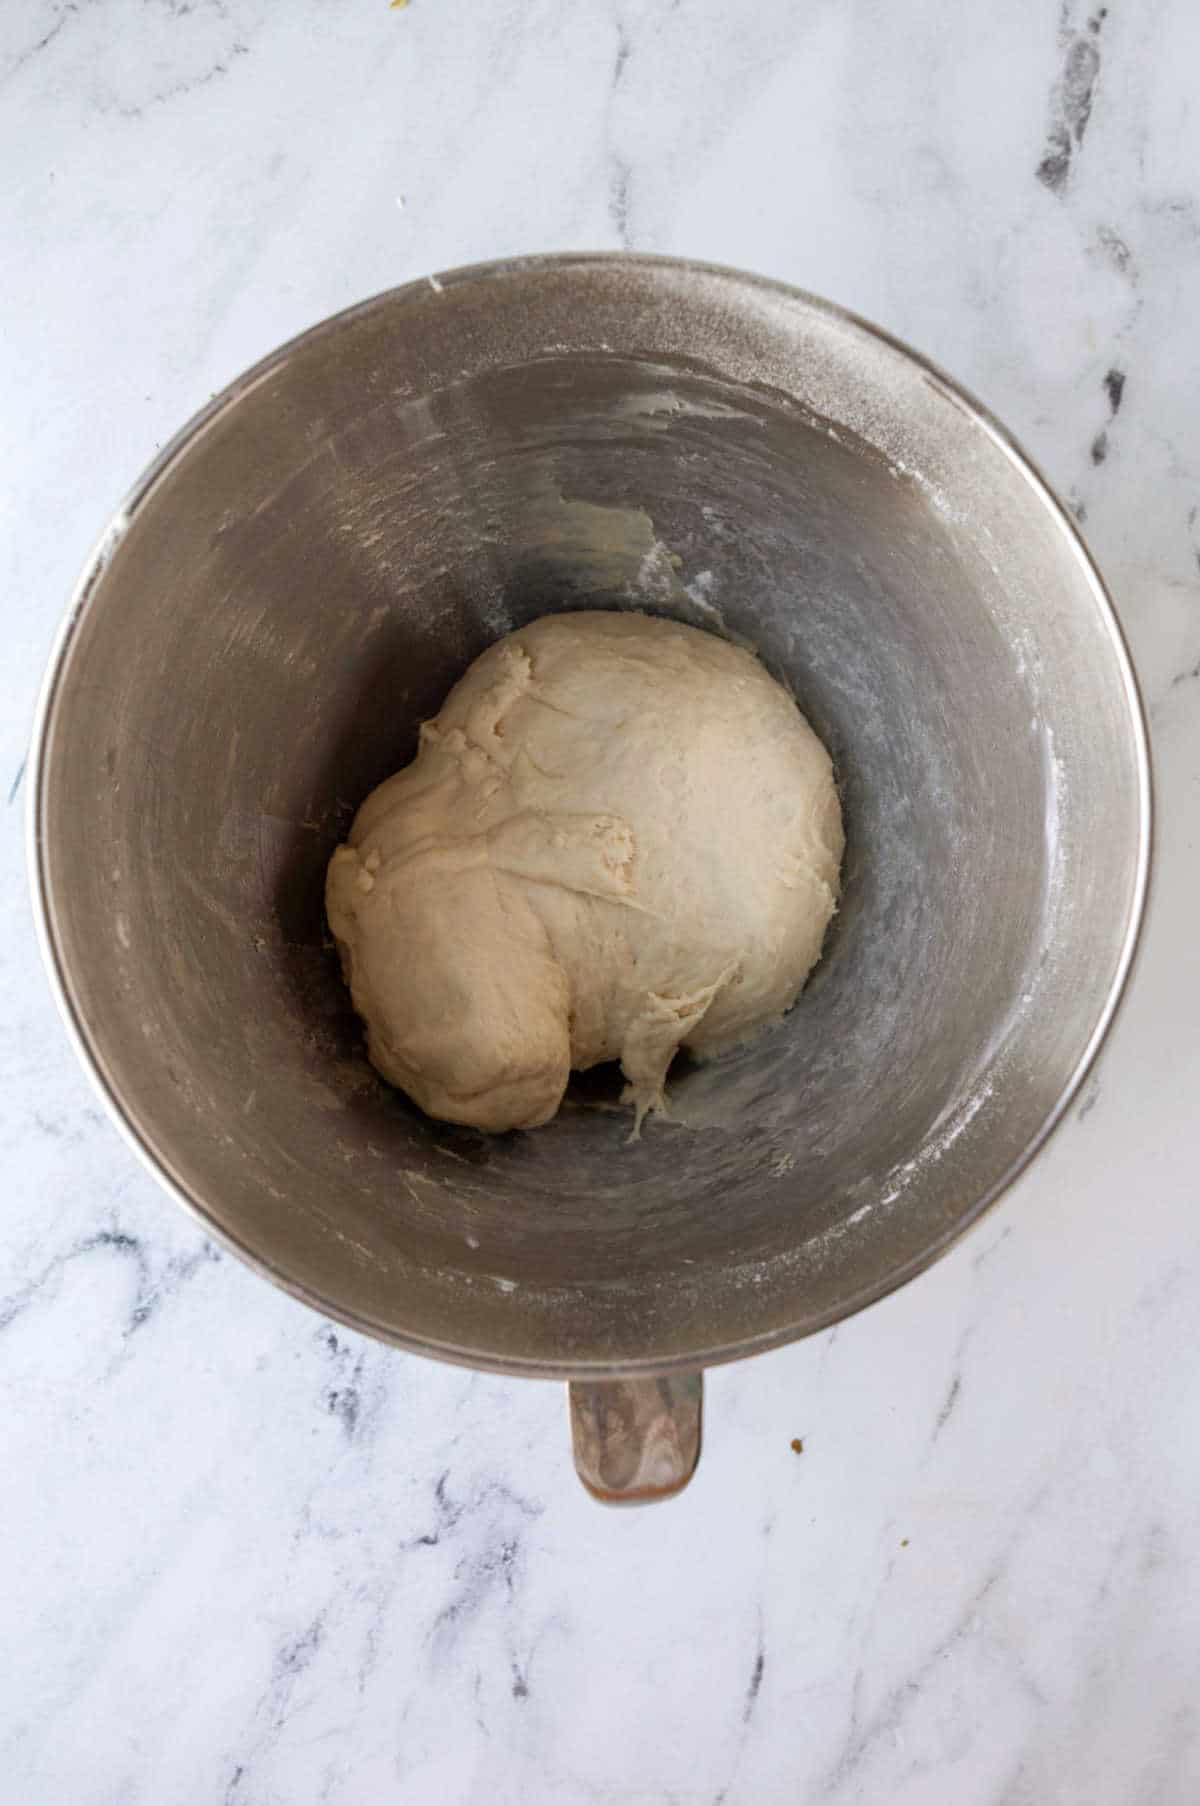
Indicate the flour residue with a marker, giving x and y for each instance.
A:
(943, 1138)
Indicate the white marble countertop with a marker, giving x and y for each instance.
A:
(249, 1558)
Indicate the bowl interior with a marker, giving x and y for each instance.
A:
(296, 588)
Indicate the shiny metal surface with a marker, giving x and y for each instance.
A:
(299, 579)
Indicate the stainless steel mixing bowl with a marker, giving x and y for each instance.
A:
(294, 585)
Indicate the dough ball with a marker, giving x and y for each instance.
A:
(619, 837)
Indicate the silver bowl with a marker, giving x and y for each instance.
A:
(296, 582)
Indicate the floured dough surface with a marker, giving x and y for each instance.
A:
(619, 837)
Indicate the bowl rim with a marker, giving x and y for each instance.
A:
(83, 596)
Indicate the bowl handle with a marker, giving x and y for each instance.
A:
(636, 1440)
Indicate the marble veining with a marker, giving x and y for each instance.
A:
(942, 1555)
(1073, 94)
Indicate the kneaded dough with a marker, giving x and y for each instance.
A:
(619, 837)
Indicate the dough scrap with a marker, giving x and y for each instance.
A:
(619, 837)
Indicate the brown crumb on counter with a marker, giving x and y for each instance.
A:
(798, 1445)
